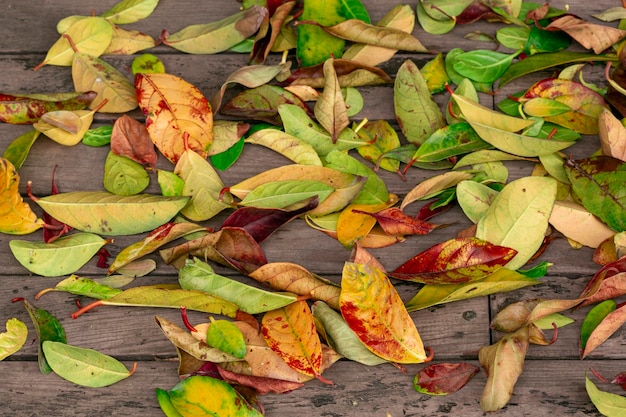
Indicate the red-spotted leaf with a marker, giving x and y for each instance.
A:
(28, 108)
(444, 378)
(395, 222)
(260, 223)
(375, 312)
(454, 261)
(290, 332)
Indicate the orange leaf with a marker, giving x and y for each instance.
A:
(374, 311)
(395, 222)
(176, 112)
(290, 332)
(16, 216)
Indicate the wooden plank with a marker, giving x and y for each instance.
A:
(543, 390)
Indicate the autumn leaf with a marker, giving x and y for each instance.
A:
(503, 361)
(589, 35)
(28, 108)
(330, 109)
(612, 135)
(16, 216)
(178, 116)
(607, 327)
(131, 139)
(14, 338)
(454, 261)
(444, 378)
(290, 332)
(395, 222)
(374, 311)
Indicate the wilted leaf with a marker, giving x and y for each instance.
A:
(14, 338)
(503, 361)
(349, 73)
(589, 35)
(576, 223)
(178, 116)
(285, 276)
(355, 222)
(381, 138)
(90, 73)
(131, 139)
(518, 217)
(374, 311)
(16, 216)
(444, 378)
(454, 261)
(290, 332)
(214, 37)
(400, 17)
(418, 115)
(67, 137)
(260, 384)
(597, 181)
(86, 367)
(101, 212)
(28, 108)
(63, 119)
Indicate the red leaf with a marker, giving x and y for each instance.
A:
(444, 378)
(426, 212)
(395, 222)
(54, 229)
(261, 384)
(454, 261)
(260, 223)
(620, 379)
(132, 140)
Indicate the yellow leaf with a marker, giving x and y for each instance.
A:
(127, 42)
(62, 136)
(353, 226)
(375, 312)
(176, 113)
(16, 216)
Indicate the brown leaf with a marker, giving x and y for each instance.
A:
(589, 35)
(349, 73)
(503, 362)
(444, 378)
(261, 384)
(395, 222)
(131, 139)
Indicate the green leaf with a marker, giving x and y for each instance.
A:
(382, 139)
(514, 37)
(451, 140)
(171, 184)
(83, 286)
(225, 159)
(518, 217)
(99, 136)
(214, 37)
(599, 183)
(548, 322)
(281, 194)
(458, 78)
(14, 338)
(593, 318)
(474, 198)
(502, 280)
(47, 327)
(374, 190)
(482, 65)
(610, 405)
(86, 367)
(198, 275)
(18, 149)
(189, 398)
(540, 62)
(108, 214)
(541, 41)
(417, 113)
(432, 25)
(123, 176)
(227, 337)
(340, 337)
(203, 185)
(315, 46)
(130, 11)
(64, 256)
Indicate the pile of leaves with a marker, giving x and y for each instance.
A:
(278, 337)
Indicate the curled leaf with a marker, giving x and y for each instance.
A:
(14, 338)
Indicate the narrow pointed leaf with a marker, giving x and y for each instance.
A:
(611, 323)
(593, 318)
(330, 109)
(83, 286)
(130, 11)
(609, 404)
(47, 328)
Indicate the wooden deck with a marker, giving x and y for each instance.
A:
(553, 382)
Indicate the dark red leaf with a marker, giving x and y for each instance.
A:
(606, 271)
(454, 261)
(261, 384)
(426, 212)
(260, 223)
(54, 229)
(444, 378)
(132, 140)
(620, 379)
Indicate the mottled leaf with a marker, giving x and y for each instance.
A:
(47, 327)
(444, 378)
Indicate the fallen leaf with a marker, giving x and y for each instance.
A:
(444, 378)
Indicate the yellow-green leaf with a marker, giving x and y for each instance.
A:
(14, 338)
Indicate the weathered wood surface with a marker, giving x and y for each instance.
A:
(553, 379)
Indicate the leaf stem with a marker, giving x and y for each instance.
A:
(86, 308)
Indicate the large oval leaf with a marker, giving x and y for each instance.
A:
(374, 311)
(109, 214)
(86, 367)
(518, 217)
(178, 116)
(62, 257)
